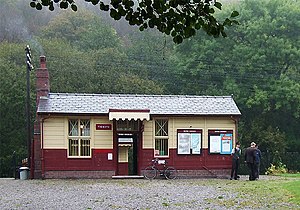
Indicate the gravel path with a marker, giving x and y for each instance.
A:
(115, 194)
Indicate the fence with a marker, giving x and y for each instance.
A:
(290, 159)
(9, 165)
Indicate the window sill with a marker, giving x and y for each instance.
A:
(79, 157)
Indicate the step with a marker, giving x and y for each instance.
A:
(127, 177)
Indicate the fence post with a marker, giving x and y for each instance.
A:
(14, 164)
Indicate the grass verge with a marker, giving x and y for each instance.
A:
(293, 186)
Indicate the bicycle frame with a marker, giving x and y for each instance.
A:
(154, 170)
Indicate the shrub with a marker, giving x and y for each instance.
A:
(279, 168)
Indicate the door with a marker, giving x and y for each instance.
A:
(127, 154)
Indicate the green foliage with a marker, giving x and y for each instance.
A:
(275, 169)
(257, 65)
(179, 19)
(12, 104)
(83, 30)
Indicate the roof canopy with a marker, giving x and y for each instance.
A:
(119, 114)
(64, 103)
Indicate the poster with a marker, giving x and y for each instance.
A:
(184, 143)
(195, 143)
(215, 144)
(226, 144)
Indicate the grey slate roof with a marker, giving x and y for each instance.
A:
(66, 103)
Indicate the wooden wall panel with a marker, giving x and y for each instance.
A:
(102, 139)
(54, 133)
(56, 159)
(123, 155)
(148, 141)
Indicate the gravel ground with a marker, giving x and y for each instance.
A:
(120, 194)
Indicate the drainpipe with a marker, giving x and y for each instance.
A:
(205, 156)
(235, 119)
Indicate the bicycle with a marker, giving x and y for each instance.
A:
(152, 171)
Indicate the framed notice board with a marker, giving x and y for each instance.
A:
(189, 141)
(220, 141)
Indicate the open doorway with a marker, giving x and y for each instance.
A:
(127, 154)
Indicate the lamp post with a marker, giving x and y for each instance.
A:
(29, 68)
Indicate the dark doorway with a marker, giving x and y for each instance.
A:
(127, 153)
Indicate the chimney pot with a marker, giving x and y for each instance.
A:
(42, 62)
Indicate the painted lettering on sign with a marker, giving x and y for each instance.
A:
(103, 126)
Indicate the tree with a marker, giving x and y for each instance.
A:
(84, 30)
(258, 64)
(12, 105)
(177, 18)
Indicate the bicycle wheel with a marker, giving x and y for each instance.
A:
(149, 172)
(170, 173)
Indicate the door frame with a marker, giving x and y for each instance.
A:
(137, 137)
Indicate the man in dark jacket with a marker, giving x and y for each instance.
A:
(235, 153)
(257, 161)
(250, 160)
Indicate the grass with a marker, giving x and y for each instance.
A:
(293, 187)
(296, 175)
(281, 193)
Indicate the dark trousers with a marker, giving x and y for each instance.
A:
(256, 168)
(252, 172)
(235, 168)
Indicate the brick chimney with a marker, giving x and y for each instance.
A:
(42, 80)
(42, 89)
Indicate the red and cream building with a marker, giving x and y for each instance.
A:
(104, 135)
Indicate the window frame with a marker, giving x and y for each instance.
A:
(80, 137)
(163, 138)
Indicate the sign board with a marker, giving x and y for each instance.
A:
(189, 141)
(125, 140)
(103, 126)
(220, 141)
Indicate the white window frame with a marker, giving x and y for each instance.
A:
(164, 137)
(80, 137)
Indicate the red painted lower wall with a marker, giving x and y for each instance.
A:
(56, 159)
(123, 169)
(190, 162)
(57, 164)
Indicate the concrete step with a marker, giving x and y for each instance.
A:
(127, 177)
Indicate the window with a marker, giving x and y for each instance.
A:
(127, 125)
(79, 138)
(161, 137)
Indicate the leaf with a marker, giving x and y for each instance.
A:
(234, 14)
(33, 4)
(218, 5)
(38, 6)
(74, 7)
(104, 7)
(178, 39)
(94, 2)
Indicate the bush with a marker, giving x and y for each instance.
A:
(280, 168)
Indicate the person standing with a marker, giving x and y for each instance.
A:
(236, 154)
(250, 160)
(257, 161)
